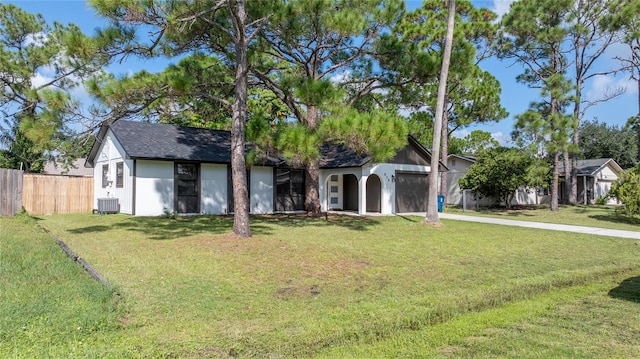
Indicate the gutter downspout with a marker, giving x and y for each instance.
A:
(133, 195)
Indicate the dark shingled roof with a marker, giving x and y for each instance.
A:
(589, 167)
(152, 141)
(339, 156)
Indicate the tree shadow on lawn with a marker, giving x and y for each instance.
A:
(354, 223)
(514, 211)
(615, 218)
(162, 228)
(629, 290)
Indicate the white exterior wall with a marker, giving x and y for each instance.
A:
(111, 153)
(213, 189)
(154, 188)
(325, 185)
(384, 171)
(261, 191)
(608, 174)
(603, 182)
(530, 196)
(458, 168)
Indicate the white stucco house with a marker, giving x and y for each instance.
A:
(151, 169)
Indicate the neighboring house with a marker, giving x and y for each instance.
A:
(77, 169)
(595, 177)
(154, 168)
(458, 166)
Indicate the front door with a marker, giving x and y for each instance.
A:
(187, 187)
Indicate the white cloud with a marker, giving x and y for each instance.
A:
(462, 133)
(501, 7)
(603, 86)
(37, 39)
(502, 139)
(341, 77)
(39, 79)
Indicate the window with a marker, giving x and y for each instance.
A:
(290, 189)
(187, 187)
(119, 174)
(334, 178)
(105, 176)
(334, 189)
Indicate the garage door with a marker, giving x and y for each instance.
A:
(411, 192)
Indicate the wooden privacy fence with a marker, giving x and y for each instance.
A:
(10, 192)
(46, 194)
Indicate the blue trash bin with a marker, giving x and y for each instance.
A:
(440, 203)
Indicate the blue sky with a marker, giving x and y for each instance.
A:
(515, 97)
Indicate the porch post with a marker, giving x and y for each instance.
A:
(362, 195)
(322, 189)
(584, 189)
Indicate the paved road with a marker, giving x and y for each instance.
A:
(538, 225)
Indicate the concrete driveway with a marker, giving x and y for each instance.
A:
(539, 225)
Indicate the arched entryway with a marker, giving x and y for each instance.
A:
(350, 193)
(374, 194)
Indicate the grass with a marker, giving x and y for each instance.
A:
(352, 287)
(590, 216)
(49, 307)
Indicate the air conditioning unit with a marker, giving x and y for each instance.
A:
(108, 205)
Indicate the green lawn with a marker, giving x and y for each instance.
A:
(352, 287)
(591, 216)
(49, 307)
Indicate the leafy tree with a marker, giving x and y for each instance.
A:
(472, 95)
(315, 56)
(627, 190)
(500, 172)
(475, 142)
(196, 92)
(623, 18)
(574, 28)
(533, 34)
(588, 42)
(221, 29)
(432, 205)
(21, 152)
(39, 112)
(600, 140)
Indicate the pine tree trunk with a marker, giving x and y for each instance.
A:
(638, 120)
(554, 183)
(574, 179)
(432, 203)
(312, 189)
(312, 173)
(241, 226)
(572, 171)
(567, 177)
(444, 179)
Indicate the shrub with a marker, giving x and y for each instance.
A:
(499, 172)
(627, 190)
